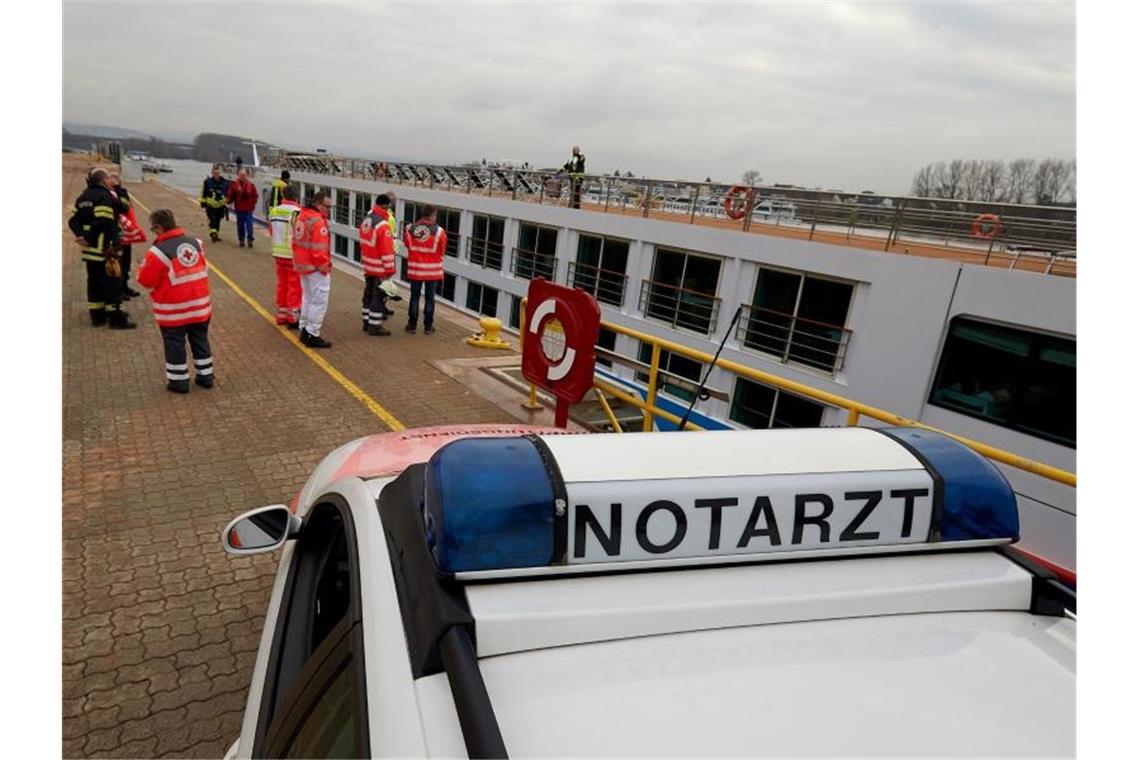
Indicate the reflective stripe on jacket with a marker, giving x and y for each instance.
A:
(214, 192)
(281, 220)
(425, 242)
(377, 253)
(174, 270)
(95, 219)
(311, 243)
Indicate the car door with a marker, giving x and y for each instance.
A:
(314, 700)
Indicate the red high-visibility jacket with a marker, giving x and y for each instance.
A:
(174, 271)
(311, 242)
(377, 249)
(425, 242)
(243, 194)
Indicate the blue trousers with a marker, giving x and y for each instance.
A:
(428, 288)
(245, 225)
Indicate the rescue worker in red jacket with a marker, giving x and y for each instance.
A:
(174, 271)
(312, 259)
(131, 233)
(378, 255)
(425, 242)
(281, 220)
(243, 194)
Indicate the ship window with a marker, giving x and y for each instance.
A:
(362, 207)
(448, 218)
(798, 318)
(756, 405)
(447, 287)
(534, 256)
(516, 309)
(674, 370)
(482, 299)
(682, 291)
(485, 247)
(310, 191)
(340, 245)
(403, 268)
(1014, 378)
(340, 207)
(607, 339)
(600, 268)
(356, 251)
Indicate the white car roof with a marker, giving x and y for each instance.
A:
(931, 685)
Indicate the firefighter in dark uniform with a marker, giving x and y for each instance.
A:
(213, 199)
(576, 167)
(96, 228)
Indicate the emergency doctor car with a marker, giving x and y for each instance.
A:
(518, 591)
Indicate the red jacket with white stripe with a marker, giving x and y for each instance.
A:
(311, 242)
(425, 242)
(174, 271)
(377, 249)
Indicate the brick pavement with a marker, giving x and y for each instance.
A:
(160, 626)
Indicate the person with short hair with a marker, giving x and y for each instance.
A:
(243, 194)
(281, 219)
(312, 258)
(213, 200)
(94, 222)
(425, 241)
(378, 256)
(277, 192)
(174, 270)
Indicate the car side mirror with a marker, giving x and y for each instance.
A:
(260, 530)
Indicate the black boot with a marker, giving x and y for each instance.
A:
(204, 381)
(178, 386)
(364, 325)
(316, 341)
(120, 320)
(98, 317)
(304, 337)
(378, 330)
(128, 290)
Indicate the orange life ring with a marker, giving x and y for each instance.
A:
(730, 208)
(987, 226)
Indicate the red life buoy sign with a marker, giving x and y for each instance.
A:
(987, 226)
(558, 345)
(732, 208)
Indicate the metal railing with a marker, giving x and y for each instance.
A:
(856, 410)
(679, 307)
(531, 264)
(793, 339)
(1045, 233)
(606, 285)
(485, 253)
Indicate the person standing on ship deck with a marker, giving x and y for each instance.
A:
(243, 194)
(425, 241)
(213, 200)
(576, 166)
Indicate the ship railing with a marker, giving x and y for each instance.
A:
(485, 253)
(892, 222)
(857, 412)
(530, 264)
(679, 307)
(789, 338)
(606, 285)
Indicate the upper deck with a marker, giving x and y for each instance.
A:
(1009, 236)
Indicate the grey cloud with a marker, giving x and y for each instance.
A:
(851, 95)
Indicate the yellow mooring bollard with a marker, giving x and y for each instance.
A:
(489, 338)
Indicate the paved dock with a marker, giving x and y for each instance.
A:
(160, 626)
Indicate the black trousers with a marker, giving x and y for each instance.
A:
(575, 192)
(374, 303)
(125, 263)
(215, 215)
(174, 345)
(104, 293)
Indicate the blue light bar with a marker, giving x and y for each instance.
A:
(977, 500)
(489, 505)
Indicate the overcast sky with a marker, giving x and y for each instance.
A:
(846, 95)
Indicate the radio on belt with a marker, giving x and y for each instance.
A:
(537, 502)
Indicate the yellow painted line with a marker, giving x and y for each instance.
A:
(353, 389)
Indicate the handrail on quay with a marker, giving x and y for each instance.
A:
(856, 410)
(1046, 233)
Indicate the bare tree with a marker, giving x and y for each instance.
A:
(1019, 181)
(992, 185)
(750, 177)
(1052, 180)
(923, 183)
(971, 181)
